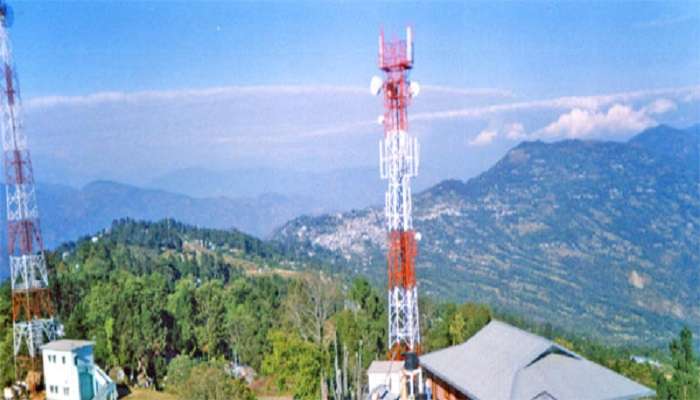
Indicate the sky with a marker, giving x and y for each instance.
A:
(132, 90)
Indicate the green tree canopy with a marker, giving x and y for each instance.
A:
(685, 378)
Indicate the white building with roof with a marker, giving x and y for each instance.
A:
(70, 372)
(385, 374)
(501, 362)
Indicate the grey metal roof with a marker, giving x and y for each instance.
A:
(568, 378)
(501, 362)
(66, 345)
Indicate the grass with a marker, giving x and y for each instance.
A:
(145, 394)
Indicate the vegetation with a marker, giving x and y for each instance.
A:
(174, 306)
(684, 382)
(7, 373)
(452, 324)
(603, 236)
(154, 294)
(190, 379)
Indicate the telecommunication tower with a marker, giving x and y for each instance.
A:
(32, 309)
(398, 161)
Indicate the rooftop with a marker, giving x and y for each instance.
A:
(385, 367)
(66, 345)
(501, 362)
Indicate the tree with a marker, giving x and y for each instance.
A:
(210, 382)
(179, 371)
(182, 306)
(361, 332)
(136, 336)
(7, 372)
(685, 382)
(191, 380)
(309, 304)
(294, 364)
(457, 328)
(455, 324)
(210, 330)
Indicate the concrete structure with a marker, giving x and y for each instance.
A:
(501, 362)
(70, 372)
(386, 374)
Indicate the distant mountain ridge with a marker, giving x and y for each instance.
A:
(334, 190)
(68, 213)
(599, 236)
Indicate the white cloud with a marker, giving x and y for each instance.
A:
(688, 93)
(469, 92)
(660, 106)
(514, 131)
(232, 91)
(484, 137)
(579, 123)
(184, 94)
(287, 124)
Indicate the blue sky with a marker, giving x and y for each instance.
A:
(130, 90)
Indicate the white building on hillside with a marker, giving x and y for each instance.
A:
(70, 372)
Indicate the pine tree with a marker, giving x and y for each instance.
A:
(684, 383)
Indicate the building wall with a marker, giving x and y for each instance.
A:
(391, 380)
(61, 373)
(442, 390)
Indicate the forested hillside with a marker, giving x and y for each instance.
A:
(68, 213)
(602, 237)
(173, 305)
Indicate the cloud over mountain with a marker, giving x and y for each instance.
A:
(130, 136)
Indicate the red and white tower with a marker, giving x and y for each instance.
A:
(398, 160)
(32, 309)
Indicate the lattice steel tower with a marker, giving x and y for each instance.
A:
(32, 309)
(398, 160)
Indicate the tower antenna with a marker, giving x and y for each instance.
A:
(398, 161)
(32, 309)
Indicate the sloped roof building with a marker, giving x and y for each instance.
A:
(501, 362)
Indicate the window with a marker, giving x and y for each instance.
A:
(66, 391)
(64, 359)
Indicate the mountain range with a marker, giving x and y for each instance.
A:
(333, 190)
(68, 213)
(601, 237)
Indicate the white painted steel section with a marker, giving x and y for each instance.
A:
(21, 202)
(34, 334)
(29, 272)
(398, 163)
